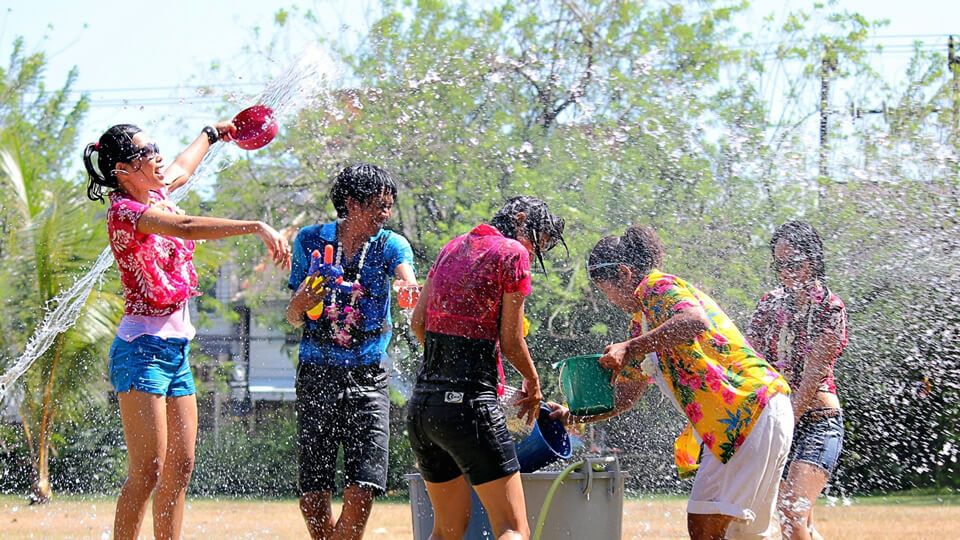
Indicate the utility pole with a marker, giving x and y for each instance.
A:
(828, 66)
(953, 64)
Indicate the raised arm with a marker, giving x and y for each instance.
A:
(627, 395)
(186, 163)
(686, 324)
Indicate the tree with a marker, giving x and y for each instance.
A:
(49, 241)
(597, 108)
(625, 112)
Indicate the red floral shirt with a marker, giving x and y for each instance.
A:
(156, 271)
(783, 334)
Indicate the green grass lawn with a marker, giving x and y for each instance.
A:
(914, 497)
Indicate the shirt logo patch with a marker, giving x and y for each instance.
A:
(453, 397)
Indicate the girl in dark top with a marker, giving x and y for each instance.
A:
(471, 309)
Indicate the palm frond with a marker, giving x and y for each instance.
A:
(11, 172)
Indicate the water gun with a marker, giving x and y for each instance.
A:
(407, 294)
(329, 279)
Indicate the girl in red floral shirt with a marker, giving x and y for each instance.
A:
(153, 244)
(801, 328)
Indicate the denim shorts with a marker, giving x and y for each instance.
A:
(817, 443)
(456, 433)
(348, 407)
(152, 364)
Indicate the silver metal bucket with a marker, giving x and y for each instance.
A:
(588, 504)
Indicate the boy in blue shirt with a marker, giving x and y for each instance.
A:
(341, 386)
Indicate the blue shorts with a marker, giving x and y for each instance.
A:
(817, 442)
(152, 364)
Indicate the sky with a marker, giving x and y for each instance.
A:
(141, 62)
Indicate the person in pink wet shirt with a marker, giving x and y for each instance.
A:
(801, 328)
(471, 310)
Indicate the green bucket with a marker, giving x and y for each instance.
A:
(587, 385)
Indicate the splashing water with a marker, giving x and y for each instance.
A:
(301, 84)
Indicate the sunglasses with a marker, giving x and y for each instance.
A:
(794, 263)
(147, 151)
(551, 243)
(553, 238)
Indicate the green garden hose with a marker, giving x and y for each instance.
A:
(546, 502)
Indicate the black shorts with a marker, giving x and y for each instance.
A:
(342, 406)
(468, 438)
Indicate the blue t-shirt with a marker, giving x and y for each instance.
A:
(387, 251)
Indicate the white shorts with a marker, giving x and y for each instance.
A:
(746, 486)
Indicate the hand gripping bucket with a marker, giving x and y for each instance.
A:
(587, 385)
(547, 443)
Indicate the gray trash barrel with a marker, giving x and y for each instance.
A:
(587, 504)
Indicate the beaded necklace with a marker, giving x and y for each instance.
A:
(350, 314)
(787, 337)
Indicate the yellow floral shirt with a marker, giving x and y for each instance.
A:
(720, 382)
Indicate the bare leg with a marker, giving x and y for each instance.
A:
(798, 494)
(145, 432)
(708, 526)
(317, 513)
(357, 503)
(169, 499)
(503, 500)
(814, 535)
(451, 508)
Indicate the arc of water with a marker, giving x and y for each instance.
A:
(298, 85)
(56, 321)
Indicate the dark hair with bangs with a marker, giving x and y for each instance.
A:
(360, 182)
(805, 240)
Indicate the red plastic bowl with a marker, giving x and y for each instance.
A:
(255, 127)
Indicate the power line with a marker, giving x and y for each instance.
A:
(195, 88)
(909, 36)
(200, 94)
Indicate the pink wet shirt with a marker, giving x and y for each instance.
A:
(469, 279)
(783, 335)
(156, 271)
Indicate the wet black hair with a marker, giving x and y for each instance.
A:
(805, 240)
(539, 220)
(360, 182)
(638, 248)
(115, 146)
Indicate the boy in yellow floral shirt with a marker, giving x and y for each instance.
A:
(737, 405)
